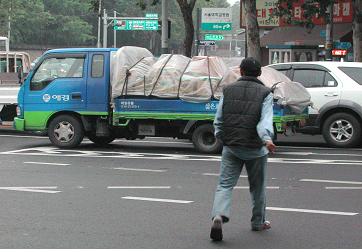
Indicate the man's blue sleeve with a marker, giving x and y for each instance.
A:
(218, 121)
(265, 126)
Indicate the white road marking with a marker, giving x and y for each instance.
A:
(14, 136)
(331, 181)
(158, 200)
(247, 187)
(343, 188)
(314, 161)
(218, 174)
(41, 163)
(52, 151)
(39, 189)
(139, 187)
(310, 211)
(137, 169)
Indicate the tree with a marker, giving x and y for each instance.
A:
(252, 30)
(319, 9)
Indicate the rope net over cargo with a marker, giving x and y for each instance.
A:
(136, 72)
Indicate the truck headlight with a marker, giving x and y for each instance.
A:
(18, 111)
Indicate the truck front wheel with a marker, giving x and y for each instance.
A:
(342, 130)
(204, 140)
(66, 131)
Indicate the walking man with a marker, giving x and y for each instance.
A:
(244, 124)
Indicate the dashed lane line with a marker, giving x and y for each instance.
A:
(139, 187)
(310, 211)
(37, 189)
(158, 200)
(331, 181)
(139, 169)
(343, 188)
(42, 163)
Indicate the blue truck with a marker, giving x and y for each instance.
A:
(68, 95)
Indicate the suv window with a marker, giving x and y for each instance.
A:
(53, 68)
(310, 78)
(355, 73)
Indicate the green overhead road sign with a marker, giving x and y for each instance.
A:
(216, 26)
(152, 15)
(214, 37)
(136, 25)
(216, 19)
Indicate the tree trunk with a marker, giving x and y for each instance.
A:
(357, 29)
(252, 30)
(186, 10)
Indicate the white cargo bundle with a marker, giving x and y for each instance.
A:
(135, 72)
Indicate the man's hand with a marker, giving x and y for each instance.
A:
(270, 146)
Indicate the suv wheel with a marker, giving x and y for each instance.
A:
(342, 130)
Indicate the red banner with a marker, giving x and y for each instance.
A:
(342, 13)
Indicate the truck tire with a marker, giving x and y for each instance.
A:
(342, 130)
(204, 140)
(101, 140)
(66, 131)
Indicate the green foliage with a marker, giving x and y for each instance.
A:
(74, 22)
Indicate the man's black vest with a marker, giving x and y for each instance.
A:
(242, 105)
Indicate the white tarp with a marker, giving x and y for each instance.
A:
(201, 78)
(121, 62)
(135, 71)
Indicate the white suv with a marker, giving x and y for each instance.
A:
(336, 91)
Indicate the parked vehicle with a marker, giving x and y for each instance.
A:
(12, 65)
(336, 91)
(68, 93)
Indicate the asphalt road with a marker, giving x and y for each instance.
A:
(158, 193)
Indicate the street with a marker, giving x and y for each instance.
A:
(158, 192)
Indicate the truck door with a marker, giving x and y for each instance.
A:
(98, 82)
(58, 84)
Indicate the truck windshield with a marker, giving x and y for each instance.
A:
(54, 68)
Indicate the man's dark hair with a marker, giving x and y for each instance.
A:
(251, 67)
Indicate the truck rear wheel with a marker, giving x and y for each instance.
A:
(101, 140)
(65, 131)
(342, 130)
(204, 140)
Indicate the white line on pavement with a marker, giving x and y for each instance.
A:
(36, 137)
(343, 188)
(137, 169)
(41, 163)
(331, 181)
(217, 174)
(39, 189)
(158, 200)
(310, 211)
(139, 187)
(247, 187)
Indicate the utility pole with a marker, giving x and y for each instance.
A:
(164, 31)
(99, 24)
(197, 37)
(105, 25)
(7, 42)
(329, 34)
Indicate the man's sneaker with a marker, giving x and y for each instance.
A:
(216, 228)
(266, 225)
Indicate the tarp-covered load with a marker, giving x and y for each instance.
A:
(136, 72)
